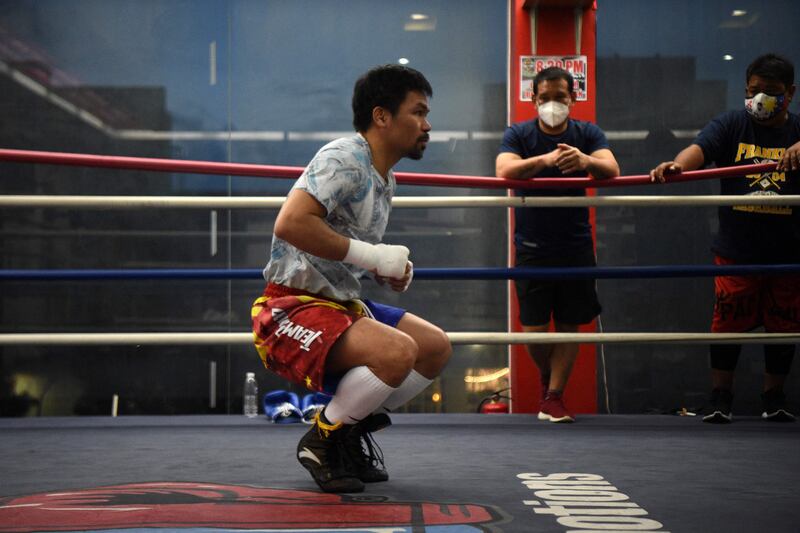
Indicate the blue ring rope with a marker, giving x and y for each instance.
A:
(613, 272)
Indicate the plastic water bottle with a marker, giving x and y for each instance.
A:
(250, 395)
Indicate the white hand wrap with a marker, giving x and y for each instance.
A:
(387, 260)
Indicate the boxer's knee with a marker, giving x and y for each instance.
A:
(434, 354)
(395, 358)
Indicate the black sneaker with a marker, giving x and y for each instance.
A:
(366, 456)
(775, 409)
(322, 452)
(720, 411)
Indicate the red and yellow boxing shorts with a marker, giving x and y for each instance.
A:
(293, 330)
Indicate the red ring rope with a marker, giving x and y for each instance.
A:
(407, 178)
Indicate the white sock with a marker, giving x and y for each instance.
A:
(359, 393)
(410, 387)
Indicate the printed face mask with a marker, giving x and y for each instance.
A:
(553, 113)
(763, 106)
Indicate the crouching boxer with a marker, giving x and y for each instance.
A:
(310, 325)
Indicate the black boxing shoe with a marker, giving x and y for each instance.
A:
(322, 452)
(366, 457)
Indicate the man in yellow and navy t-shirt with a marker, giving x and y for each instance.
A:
(763, 131)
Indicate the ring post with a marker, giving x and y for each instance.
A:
(566, 29)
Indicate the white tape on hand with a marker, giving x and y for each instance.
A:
(386, 260)
(392, 260)
(362, 254)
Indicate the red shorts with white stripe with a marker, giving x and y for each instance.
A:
(743, 303)
(294, 330)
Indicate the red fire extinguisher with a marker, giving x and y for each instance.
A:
(494, 403)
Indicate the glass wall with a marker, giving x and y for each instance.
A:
(269, 82)
(664, 69)
(223, 80)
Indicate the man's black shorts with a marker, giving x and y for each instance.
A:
(569, 301)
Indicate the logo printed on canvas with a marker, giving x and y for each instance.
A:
(585, 502)
(199, 506)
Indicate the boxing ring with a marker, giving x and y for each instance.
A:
(449, 472)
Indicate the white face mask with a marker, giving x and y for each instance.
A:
(553, 113)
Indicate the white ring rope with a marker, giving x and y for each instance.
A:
(458, 338)
(261, 202)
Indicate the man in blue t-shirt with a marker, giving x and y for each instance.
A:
(763, 131)
(553, 145)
